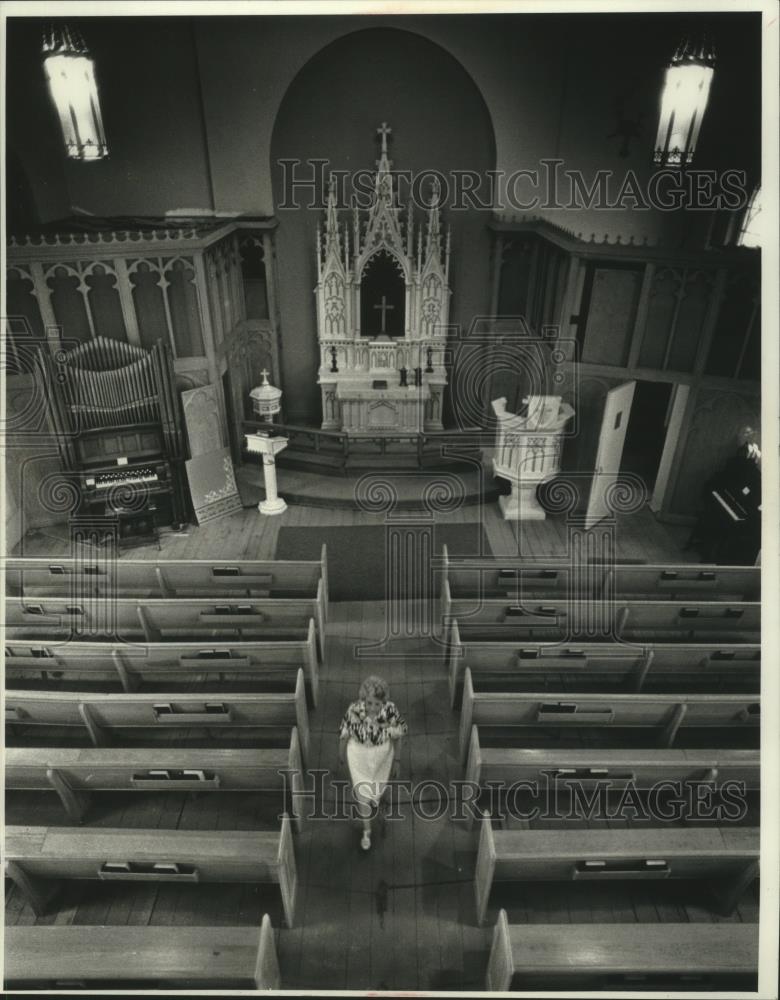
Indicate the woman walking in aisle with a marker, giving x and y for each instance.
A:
(370, 740)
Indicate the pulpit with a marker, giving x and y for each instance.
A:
(382, 312)
(528, 451)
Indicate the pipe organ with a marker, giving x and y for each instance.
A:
(115, 412)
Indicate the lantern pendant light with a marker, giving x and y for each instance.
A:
(70, 72)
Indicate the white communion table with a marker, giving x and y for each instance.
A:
(394, 408)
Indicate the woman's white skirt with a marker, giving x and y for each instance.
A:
(369, 769)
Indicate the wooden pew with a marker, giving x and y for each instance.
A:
(685, 582)
(153, 620)
(725, 666)
(38, 858)
(146, 716)
(132, 664)
(76, 775)
(526, 955)
(501, 576)
(74, 955)
(642, 768)
(558, 621)
(537, 711)
(109, 577)
(512, 577)
(727, 858)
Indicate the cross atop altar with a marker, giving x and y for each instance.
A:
(384, 131)
(382, 307)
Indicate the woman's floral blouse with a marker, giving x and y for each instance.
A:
(388, 724)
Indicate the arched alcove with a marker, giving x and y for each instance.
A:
(382, 296)
(330, 112)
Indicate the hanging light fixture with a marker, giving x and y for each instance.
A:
(70, 72)
(683, 102)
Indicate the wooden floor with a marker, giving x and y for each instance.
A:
(251, 535)
(401, 916)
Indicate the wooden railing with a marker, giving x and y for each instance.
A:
(342, 444)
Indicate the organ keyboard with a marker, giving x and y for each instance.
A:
(153, 478)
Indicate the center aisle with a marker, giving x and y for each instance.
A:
(400, 916)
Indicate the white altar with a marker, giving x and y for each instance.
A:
(528, 452)
(382, 312)
(364, 408)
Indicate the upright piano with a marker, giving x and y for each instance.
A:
(728, 531)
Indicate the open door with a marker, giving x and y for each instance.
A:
(614, 424)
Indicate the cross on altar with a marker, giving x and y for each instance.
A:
(385, 306)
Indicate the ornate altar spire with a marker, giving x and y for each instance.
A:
(433, 237)
(332, 218)
(384, 225)
(384, 177)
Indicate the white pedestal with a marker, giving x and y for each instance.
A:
(277, 506)
(521, 504)
(268, 447)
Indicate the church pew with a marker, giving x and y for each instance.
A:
(492, 576)
(512, 577)
(685, 582)
(72, 956)
(39, 858)
(641, 768)
(727, 858)
(634, 956)
(154, 620)
(611, 664)
(146, 716)
(76, 775)
(558, 621)
(170, 578)
(132, 664)
(540, 711)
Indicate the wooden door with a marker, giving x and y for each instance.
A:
(614, 422)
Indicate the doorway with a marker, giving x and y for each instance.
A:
(646, 431)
